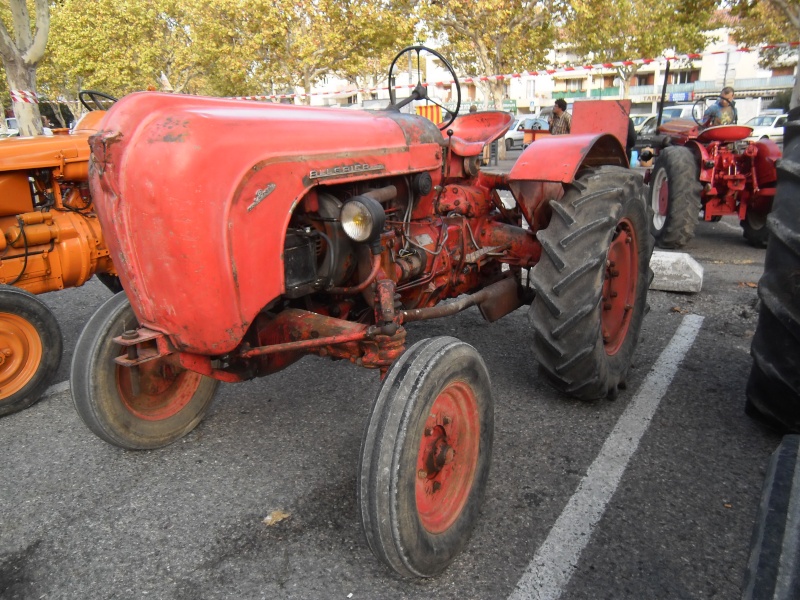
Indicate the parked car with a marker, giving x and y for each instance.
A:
(12, 129)
(514, 135)
(648, 137)
(769, 127)
(640, 121)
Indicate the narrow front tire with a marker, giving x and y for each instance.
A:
(425, 457)
(143, 407)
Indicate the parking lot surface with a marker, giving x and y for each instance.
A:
(82, 519)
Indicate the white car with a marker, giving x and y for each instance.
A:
(12, 129)
(514, 135)
(767, 127)
(640, 121)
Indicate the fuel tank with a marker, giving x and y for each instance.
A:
(195, 194)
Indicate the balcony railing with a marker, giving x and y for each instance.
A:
(569, 94)
(764, 83)
(605, 92)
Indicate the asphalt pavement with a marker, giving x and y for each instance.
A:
(82, 519)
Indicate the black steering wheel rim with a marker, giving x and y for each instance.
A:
(420, 92)
(92, 95)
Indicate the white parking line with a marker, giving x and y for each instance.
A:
(56, 388)
(552, 566)
(729, 226)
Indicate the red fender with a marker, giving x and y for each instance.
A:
(558, 158)
(549, 162)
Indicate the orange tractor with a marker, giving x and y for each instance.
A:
(248, 236)
(50, 239)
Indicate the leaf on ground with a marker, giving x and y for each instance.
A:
(678, 309)
(275, 516)
(749, 284)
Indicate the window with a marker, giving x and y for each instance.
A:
(574, 85)
(530, 88)
(684, 76)
(782, 71)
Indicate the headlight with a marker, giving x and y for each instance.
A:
(363, 219)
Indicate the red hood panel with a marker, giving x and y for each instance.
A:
(195, 194)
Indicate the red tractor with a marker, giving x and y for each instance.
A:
(248, 236)
(714, 171)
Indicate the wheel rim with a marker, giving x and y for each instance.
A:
(447, 457)
(756, 220)
(659, 199)
(619, 287)
(20, 353)
(156, 389)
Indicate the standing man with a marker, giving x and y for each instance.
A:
(723, 111)
(561, 120)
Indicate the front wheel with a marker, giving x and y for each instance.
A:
(425, 457)
(142, 407)
(591, 283)
(675, 197)
(30, 349)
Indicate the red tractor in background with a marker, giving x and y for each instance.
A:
(715, 171)
(50, 239)
(314, 231)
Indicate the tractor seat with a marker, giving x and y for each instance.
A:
(471, 132)
(724, 133)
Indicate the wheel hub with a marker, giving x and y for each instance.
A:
(447, 457)
(660, 199)
(21, 353)
(619, 287)
(157, 389)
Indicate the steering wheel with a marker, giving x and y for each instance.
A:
(93, 100)
(420, 92)
(699, 109)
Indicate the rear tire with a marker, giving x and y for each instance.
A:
(591, 283)
(30, 349)
(425, 457)
(755, 229)
(675, 197)
(773, 389)
(136, 408)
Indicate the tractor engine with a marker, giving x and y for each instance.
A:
(342, 235)
(59, 246)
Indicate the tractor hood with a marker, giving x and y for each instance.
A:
(52, 151)
(194, 196)
(68, 153)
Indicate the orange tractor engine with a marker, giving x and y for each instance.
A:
(50, 239)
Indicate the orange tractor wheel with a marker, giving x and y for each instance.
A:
(30, 349)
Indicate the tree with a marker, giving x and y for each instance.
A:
(119, 46)
(325, 37)
(770, 21)
(21, 57)
(492, 37)
(623, 30)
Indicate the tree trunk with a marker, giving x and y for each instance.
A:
(497, 98)
(21, 78)
(794, 101)
(21, 56)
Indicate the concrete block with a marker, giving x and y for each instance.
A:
(676, 272)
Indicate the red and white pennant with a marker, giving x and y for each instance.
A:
(24, 96)
(548, 71)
